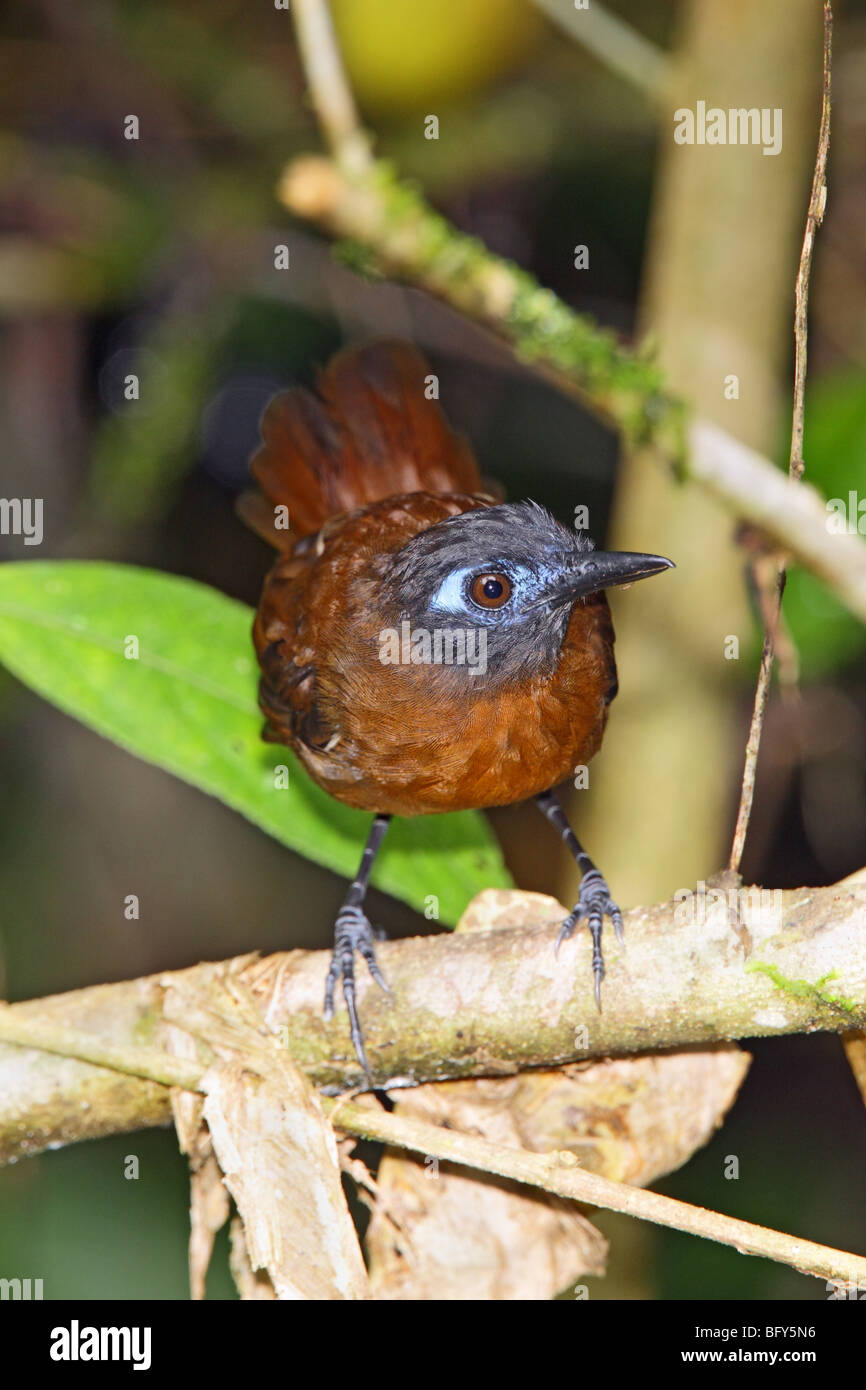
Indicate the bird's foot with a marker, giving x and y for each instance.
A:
(594, 904)
(352, 932)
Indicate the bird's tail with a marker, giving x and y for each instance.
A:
(368, 432)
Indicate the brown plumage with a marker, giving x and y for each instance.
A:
(369, 433)
(389, 524)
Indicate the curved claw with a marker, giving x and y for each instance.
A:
(352, 932)
(566, 930)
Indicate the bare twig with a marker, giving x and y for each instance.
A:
(796, 466)
(756, 725)
(814, 218)
(559, 1172)
(614, 42)
(329, 88)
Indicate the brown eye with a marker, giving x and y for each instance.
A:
(491, 590)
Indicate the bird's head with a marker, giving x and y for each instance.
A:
(508, 578)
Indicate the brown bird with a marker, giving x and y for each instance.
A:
(423, 646)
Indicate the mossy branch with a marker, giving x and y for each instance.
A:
(395, 231)
(390, 228)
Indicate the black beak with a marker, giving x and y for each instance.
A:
(604, 569)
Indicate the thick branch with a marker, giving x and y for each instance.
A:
(404, 237)
(465, 1004)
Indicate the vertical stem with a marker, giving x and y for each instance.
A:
(329, 88)
(796, 466)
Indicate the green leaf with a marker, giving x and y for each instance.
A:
(188, 704)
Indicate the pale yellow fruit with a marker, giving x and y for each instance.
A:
(406, 55)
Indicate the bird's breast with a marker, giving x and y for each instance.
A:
(411, 743)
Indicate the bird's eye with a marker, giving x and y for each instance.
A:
(490, 590)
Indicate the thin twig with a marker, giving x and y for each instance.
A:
(753, 743)
(796, 466)
(559, 1173)
(329, 88)
(814, 218)
(615, 43)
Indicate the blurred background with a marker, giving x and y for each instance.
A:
(155, 256)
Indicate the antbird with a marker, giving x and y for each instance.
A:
(397, 564)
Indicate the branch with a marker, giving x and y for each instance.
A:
(476, 1002)
(470, 1003)
(559, 1173)
(214, 1005)
(405, 238)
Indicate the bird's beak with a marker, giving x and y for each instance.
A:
(604, 569)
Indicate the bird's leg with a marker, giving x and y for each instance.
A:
(594, 903)
(352, 932)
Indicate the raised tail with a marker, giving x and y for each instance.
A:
(368, 432)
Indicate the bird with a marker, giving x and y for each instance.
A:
(423, 645)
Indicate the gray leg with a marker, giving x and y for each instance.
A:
(595, 902)
(352, 932)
